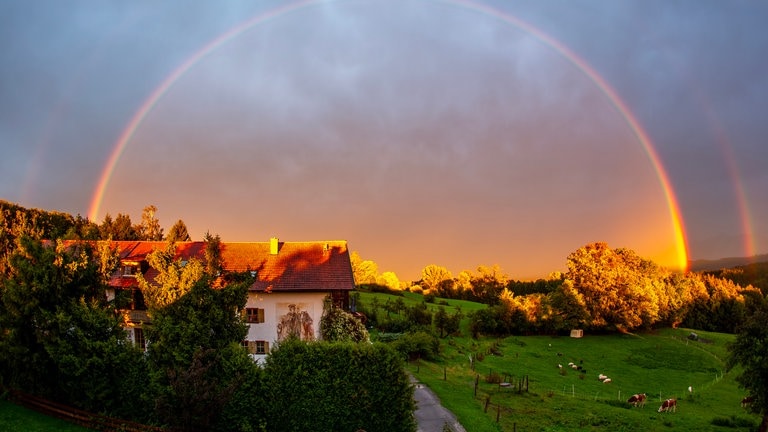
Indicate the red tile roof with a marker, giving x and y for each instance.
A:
(298, 266)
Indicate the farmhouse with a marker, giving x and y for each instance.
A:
(292, 281)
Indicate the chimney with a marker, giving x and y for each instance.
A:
(273, 246)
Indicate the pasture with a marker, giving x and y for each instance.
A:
(663, 364)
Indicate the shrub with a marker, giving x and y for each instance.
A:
(337, 325)
(734, 422)
(337, 386)
(417, 345)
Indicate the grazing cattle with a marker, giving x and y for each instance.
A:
(747, 401)
(668, 405)
(606, 381)
(637, 400)
(602, 377)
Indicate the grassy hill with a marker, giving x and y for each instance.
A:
(662, 364)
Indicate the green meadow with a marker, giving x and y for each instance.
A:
(543, 397)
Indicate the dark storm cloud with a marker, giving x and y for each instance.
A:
(375, 108)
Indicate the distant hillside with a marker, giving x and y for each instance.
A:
(743, 271)
(723, 263)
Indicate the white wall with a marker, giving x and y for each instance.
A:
(276, 306)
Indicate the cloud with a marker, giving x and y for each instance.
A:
(429, 126)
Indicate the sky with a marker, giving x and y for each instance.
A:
(450, 132)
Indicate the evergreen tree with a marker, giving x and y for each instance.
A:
(61, 338)
(194, 338)
(178, 232)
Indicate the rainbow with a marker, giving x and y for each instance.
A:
(671, 200)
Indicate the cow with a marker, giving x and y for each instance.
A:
(668, 405)
(637, 400)
(747, 401)
(606, 381)
(602, 377)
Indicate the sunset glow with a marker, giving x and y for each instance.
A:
(451, 132)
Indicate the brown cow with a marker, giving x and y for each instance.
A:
(637, 400)
(747, 401)
(668, 405)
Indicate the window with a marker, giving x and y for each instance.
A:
(256, 347)
(262, 347)
(249, 346)
(138, 338)
(254, 315)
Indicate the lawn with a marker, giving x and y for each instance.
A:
(16, 418)
(663, 364)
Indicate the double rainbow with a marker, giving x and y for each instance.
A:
(669, 194)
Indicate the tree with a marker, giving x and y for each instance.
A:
(61, 338)
(194, 338)
(364, 272)
(432, 276)
(195, 352)
(82, 229)
(214, 265)
(389, 279)
(569, 309)
(175, 278)
(488, 284)
(445, 323)
(616, 286)
(118, 229)
(178, 232)
(750, 351)
(149, 229)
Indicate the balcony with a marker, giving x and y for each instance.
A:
(136, 316)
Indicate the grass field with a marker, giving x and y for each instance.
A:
(662, 364)
(16, 418)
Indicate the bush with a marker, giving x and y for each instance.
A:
(734, 422)
(418, 345)
(243, 412)
(394, 325)
(337, 325)
(337, 386)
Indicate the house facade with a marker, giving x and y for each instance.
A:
(292, 282)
